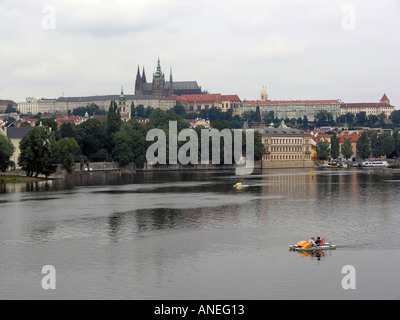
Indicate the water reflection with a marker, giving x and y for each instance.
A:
(317, 254)
(26, 187)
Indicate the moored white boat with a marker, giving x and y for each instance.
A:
(374, 164)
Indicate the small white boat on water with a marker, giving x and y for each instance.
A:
(374, 164)
(325, 246)
(306, 246)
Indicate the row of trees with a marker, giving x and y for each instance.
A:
(326, 150)
(324, 119)
(369, 144)
(47, 147)
(386, 144)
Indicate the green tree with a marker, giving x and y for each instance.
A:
(387, 142)
(382, 117)
(323, 150)
(347, 148)
(321, 118)
(335, 146)
(179, 110)
(91, 109)
(138, 145)
(130, 146)
(6, 151)
(373, 119)
(64, 151)
(36, 152)
(376, 146)
(305, 121)
(113, 120)
(122, 151)
(67, 130)
(259, 147)
(341, 119)
(364, 146)
(148, 112)
(396, 143)
(299, 121)
(395, 116)
(133, 110)
(10, 108)
(92, 137)
(361, 117)
(140, 111)
(47, 122)
(160, 119)
(349, 117)
(220, 124)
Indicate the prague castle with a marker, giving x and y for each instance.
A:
(159, 87)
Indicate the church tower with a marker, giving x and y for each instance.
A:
(158, 81)
(124, 108)
(264, 94)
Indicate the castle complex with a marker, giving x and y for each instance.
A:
(161, 88)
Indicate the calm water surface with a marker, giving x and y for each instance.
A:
(191, 236)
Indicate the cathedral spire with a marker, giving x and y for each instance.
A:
(170, 75)
(122, 96)
(138, 72)
(144, 76)
(138, 83)
(158, 73)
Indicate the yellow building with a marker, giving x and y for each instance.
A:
(15, 134)
(286, 148)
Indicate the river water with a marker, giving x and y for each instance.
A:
(189, 235)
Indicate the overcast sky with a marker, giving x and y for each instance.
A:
(318, 49)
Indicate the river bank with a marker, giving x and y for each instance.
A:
(19, 179)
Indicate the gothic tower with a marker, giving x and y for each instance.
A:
(158, 81)
(138, 82)
(144, 77)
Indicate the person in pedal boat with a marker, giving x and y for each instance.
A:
(318, 241)
(312, 242)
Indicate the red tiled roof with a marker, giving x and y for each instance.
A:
(200, 97)
(353, 136)
(290, 101)
(366, 105)
(384, 98)
(232, 97)
(213, 97)
(100, 118)
(322, 137)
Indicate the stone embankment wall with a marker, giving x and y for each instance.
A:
(114, 166)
